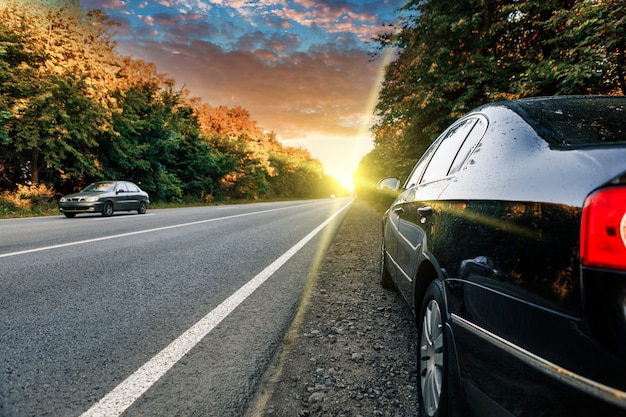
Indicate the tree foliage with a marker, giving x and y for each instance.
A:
(73, 111)
(453, 56)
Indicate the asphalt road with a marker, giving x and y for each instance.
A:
(175, 312)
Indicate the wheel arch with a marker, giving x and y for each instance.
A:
(425, 275)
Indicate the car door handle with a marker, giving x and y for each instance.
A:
(425, 211)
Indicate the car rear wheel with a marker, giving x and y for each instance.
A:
(70, 215)
(432, 353)
(107, 209)
(143, 207)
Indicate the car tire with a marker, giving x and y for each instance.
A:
(385, 277)
(432, 353)
(143, 207)
(70, 215)
(107, 209)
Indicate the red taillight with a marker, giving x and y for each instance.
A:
(603, 229)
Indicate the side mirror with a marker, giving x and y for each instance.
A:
(389, 183)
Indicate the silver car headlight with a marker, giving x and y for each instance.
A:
(91, 199)
(62, 200)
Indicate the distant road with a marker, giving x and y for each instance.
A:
(175, 312)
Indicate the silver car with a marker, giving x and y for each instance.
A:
(105, 197)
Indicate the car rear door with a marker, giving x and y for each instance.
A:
(133, 196)
(421, 210)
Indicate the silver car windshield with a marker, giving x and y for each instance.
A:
(100, 187)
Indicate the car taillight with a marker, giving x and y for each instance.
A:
(603, 229)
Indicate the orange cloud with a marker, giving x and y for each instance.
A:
(300, 67)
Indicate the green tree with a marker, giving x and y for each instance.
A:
(454, 56)
(588, 49)
(148, 131)
(55, 129)
(18, 62)
(59, 97)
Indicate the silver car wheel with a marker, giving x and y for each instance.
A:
(431, 358)
(107, 209)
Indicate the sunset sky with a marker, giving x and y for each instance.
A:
(300, 67)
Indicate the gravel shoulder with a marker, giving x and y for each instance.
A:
(351, 350)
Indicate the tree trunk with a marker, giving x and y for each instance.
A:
(34, 167)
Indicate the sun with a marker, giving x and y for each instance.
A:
(344, 179)
(339, 155)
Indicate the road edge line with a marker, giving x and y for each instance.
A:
(133, 387)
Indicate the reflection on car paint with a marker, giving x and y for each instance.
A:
(488, 228)
(531, 243)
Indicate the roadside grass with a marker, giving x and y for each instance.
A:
(379, 200)
(37, 201)
(27, 201)
(22, 204)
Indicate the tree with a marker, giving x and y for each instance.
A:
(74, 41)
(59, 96)
(588, 49)
(72, 111)
(454, 56)
(234, 134)
(18, 62)
(55, 129)
(148, 132)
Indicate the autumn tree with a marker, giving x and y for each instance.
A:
(72, 111)
(232, 132)
(299, 174)
(60, 103)
(74, 41)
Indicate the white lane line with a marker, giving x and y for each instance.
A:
(125, 394)
(140, 232)
(123, 216)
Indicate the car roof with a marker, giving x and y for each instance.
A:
(573, 121)
(514, 161)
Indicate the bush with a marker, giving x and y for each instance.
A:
(27, 199)
(375, 197)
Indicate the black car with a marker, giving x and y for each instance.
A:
(105, 197)
(508, 241)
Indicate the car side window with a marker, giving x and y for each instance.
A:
(448, 149)
(419, 167)
(121, 187)
(468, 145)
(132, 187)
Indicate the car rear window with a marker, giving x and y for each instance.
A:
(575, 122)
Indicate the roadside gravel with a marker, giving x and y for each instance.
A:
(351, 350)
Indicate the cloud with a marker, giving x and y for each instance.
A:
(300, 67)
(324, 90)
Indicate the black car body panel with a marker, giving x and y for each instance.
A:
(105, 197)
(496, 217)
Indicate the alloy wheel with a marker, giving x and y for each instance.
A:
(431, 358)
(107, 210)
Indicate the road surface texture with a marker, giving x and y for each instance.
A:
(351, 350)
(176, 312)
